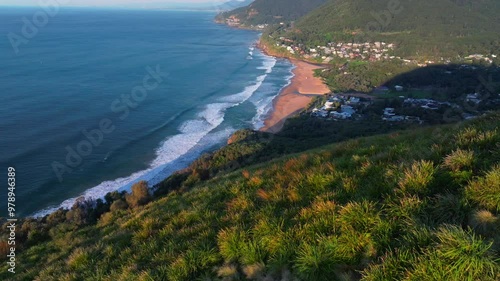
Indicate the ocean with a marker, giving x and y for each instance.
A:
(97, 100)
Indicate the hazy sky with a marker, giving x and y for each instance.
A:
(103, 3)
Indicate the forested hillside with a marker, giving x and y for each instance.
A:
(273, 11)
(419, 28)
(420, 204)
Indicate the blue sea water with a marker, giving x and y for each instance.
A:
(81, 68)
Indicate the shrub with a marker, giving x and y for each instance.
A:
(139, 196)
(118, 205)
(56, 217)
(77, 216)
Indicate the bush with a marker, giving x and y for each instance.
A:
(118, 205)
(139, 196)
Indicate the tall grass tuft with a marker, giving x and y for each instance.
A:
(417, 179)
(315, 263)
(459, 160)
(359, 216)
(457, 255)
(485, 191)
(254, 271)
(391, 267)
(449, 208)
(484, 223)
(231, 243)
(472, 136)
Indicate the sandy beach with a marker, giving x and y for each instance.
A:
(295, 97)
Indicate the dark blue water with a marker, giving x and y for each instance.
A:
(85, 70)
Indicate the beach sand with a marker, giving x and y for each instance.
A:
(295, 96)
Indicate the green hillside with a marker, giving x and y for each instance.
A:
(420, 28)
(420, 204)
(273, 11)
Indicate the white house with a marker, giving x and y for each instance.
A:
(354, 100)
(389, 111)
(347, 109)
(475, 98)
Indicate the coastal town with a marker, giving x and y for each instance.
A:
(234, 21)
(363, 51)
(368, 51)
(352, 106)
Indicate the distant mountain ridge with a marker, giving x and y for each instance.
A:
(273, 11)
(214, 6)
(234, 4)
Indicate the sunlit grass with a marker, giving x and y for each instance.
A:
(381, 208)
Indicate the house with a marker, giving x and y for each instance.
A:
(431, 106)
(347, 109)
(395, 118)
(328, 104)
(389, 112)
(334, 99)
(475, 98)
(340, 115)
(354, 100)
(319, 112)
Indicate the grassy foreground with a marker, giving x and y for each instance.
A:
(412, 205)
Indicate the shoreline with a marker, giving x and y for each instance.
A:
(296, 96)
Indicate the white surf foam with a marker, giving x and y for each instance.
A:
(170, 155)
(265, 105)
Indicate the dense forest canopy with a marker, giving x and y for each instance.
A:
(420, 28)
